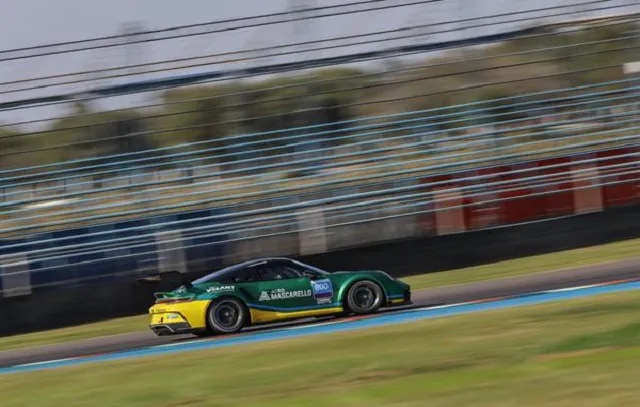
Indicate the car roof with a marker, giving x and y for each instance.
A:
(270, 260)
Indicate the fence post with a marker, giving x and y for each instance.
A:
(312, 241)
(16, 278)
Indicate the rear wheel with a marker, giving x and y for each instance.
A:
(364, 297)
(226, 316)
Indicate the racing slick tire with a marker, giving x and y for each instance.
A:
(364, 297)
(226, 315)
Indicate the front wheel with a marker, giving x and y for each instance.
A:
(226, 316)
(364, 297)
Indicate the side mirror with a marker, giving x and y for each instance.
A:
(310, 276)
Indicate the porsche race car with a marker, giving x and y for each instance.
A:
(271, 290)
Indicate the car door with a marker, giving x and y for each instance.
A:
(322, 288)
(245, 280)
(284, 289)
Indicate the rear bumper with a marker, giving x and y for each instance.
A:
(171, 329)
(169, 323)
(178, 318)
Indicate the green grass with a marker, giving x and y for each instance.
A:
(573, 353)
(529, 265)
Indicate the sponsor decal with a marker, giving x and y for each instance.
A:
(221, 288)
(322, 291)
(283, 294)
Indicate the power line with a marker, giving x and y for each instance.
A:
(412, 80)
(364, 75)
(163, 84)
(176, 28)
(339, 38)
(254, 25)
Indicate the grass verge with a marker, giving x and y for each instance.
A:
(528, 265)
(581, 352)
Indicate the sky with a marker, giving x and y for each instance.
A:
(26, 23)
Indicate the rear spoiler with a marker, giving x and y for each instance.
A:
(172, 295)
(164, 295)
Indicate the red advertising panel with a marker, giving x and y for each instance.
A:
(482, 210)
(619, 175)
(428, 219)
(519, 204)
(506, 194)
(556, 185)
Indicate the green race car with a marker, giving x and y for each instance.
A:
(271, 290)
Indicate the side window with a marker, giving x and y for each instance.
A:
(301, 271)
(271, 273)
(244, 275)
(294, 271)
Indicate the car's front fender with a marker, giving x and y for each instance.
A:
(349, 282)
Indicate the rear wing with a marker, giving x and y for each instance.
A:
(171, 296)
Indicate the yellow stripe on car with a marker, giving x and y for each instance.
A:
(260, 316)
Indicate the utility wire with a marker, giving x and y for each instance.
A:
(255, 50)
(56, 100)
(217, 76)
(354, 104)
(304, 83)
(216, 31)
(176, 28)
(333, 91)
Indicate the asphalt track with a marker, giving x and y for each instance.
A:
(497, 293)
